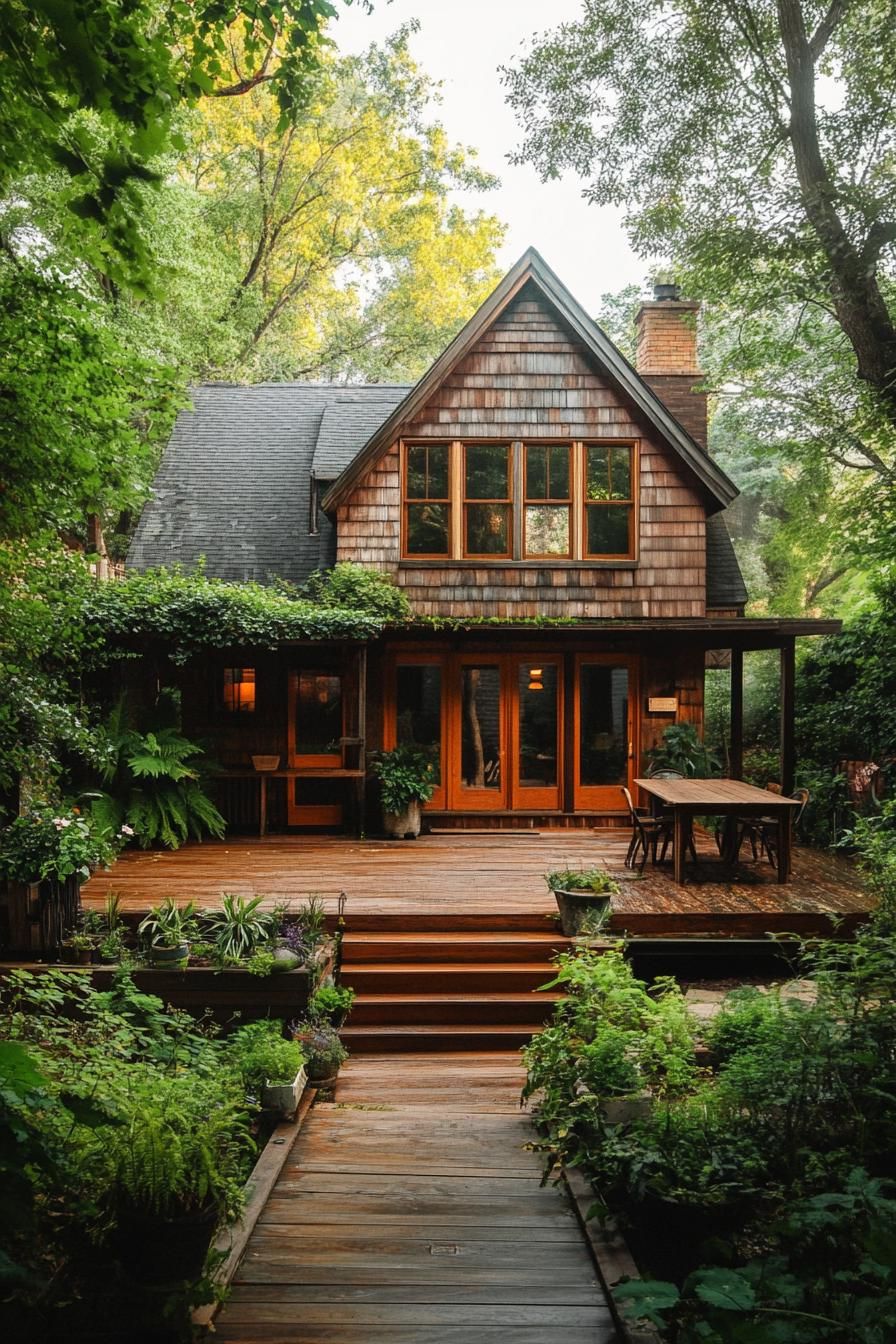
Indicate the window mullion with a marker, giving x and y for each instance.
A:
(517, 500)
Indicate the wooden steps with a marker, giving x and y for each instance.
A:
(448, 991)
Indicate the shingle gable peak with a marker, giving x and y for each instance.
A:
(532, 267)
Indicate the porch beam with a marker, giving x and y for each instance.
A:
(788, 715)
(736, 747)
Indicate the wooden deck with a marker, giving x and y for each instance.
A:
(490, 881)
(410, 1212)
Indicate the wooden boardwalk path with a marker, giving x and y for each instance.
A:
(410, 1212)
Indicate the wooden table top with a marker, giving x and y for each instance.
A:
(712, 794)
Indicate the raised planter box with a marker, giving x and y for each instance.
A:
(198, 989)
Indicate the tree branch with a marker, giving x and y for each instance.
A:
(828, 26)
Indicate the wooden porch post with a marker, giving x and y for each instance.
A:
(788, 691)
(361, 787)
(736, 750)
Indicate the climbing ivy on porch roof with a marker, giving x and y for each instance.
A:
(191, 612)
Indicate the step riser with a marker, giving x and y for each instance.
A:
(466, 923)
(413, 1012)
(375, 1043)
(459, 950)
(459, 980)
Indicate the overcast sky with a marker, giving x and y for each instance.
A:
(462, 43)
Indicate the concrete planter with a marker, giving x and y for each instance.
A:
(403, 825)
(284, 1097)
(575, 907)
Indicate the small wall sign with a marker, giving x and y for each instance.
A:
(662, 704)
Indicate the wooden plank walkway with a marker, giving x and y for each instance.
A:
(485, 881)
(411, 1212)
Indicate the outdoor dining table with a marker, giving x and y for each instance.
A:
(689, 798)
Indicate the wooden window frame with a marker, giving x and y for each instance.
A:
(631, 503)
(508, 502)
(517, 502)
(604, 797)
(236, 710)
(398, 659)
(407, 501)
(528, 502)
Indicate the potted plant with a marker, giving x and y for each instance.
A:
(324, 1052)
(684, 751)
(582, 895)
(238, 929)
(57, 849)
(407, 779)
(165, 931)
(331, 1003)
(82, 946)
(271, 1067)
(175, 1163)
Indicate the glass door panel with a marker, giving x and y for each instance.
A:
(316, 719)
(537, 774)
(481, 783)
(419, 718)
(603, 734)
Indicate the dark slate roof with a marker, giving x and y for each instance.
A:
(234, 481)
(348, 423)
(725, 585)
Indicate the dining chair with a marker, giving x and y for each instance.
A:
(647, 831)
(763, 832)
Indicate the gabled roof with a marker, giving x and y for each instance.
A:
(532, 267)
(234, 482)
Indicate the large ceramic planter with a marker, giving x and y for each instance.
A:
(169, 958)
(403, 825)
(284, 1097)
(576, 906)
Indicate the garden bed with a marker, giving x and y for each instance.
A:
(203, 989)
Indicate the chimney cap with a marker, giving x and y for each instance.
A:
(665, 288)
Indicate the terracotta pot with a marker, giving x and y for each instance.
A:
(403, 825)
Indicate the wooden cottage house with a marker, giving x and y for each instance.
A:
(556, 506)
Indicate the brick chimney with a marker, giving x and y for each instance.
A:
(667, 355)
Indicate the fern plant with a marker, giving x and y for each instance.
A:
(153, 781)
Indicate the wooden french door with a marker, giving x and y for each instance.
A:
(603, 730)
(505, 733)
(315, 724)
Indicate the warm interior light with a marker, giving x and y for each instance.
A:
(535, 681)
(534, 673)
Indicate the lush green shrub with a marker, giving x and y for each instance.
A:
(406, 775)
(357, 588)
(261, 1054)
(331, 1003)
(582, 879)
(682, 749)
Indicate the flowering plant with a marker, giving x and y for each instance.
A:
(49, 843)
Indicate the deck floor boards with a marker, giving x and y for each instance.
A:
(487, 881)
(411, 1212)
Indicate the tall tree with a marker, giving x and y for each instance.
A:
(346, 254)
(752, 139)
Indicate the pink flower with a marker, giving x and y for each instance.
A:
(127, 830)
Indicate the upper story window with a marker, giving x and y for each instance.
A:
(520, 501)
(427, 508)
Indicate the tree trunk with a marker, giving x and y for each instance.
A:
(858, 303)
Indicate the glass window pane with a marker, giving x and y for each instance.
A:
(603, 724)
(537, 471)
(488, 529)
(416, 474)
(239, 690)
(597, 472)
(418, 709)
(318, 714)
(486, 471)
(480, 745)
(427, 529)
(438, 471)
(621, 461)
(547, 529)
(538, 725)
(558, 462)
(608, 530)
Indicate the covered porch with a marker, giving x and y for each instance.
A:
(491, 880)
